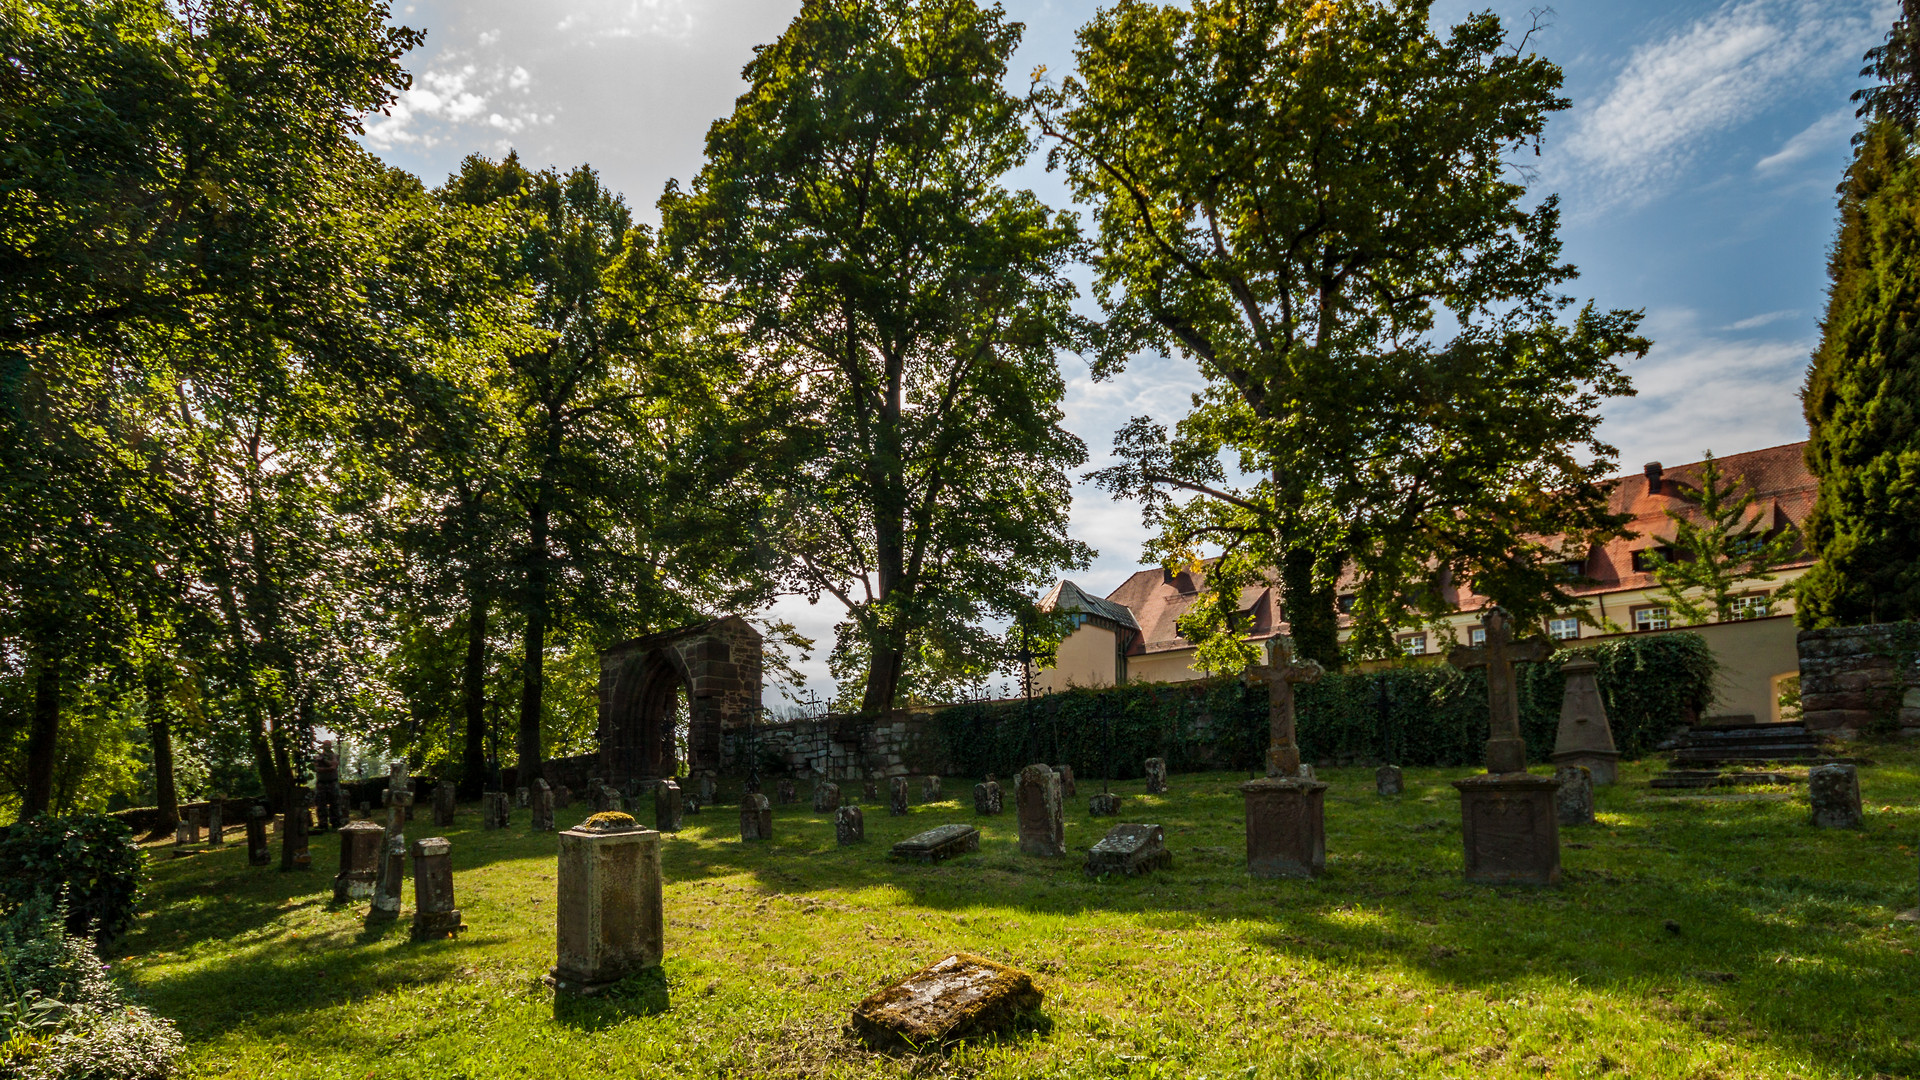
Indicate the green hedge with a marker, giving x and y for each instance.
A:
(1418, 714)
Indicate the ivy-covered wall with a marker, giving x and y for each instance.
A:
(1421, 714)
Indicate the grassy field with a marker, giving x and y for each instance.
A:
(1708, 937)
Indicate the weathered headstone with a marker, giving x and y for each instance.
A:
(688, 804)
(444, 807)
(986, 798)
(1389, 780)
(192, 822)
(542, 806)
(789, 793)
(962, 996)
(1584, 736)
(1068, 789)
(1156, 769)
(398, 780)
(562, 797)
(1509, 826)
(1573, 801)
(390, 879)
(293, 831)
(897, 791)
(216, 822)
(610, 921)
(666, 806)
(936, 845)
(849, 825)
(1130, 850)
(1104, 804)
(1283, 750)
(359, 861)
(1306, 771)
(1834, 791)
(606, 800)
(434, 916)
(870, 789)
(522, 797)
(182, 833)
(1036, 791)
(705, 789)
(756, 818)
(826, 797)
(496, 812)
(258, 854)
(929, 789)
(1286, 827)
(366, 808)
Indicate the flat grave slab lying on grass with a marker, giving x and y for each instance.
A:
(936, 845)
(962, 996)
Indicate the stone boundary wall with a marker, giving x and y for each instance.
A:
(843, 748)
(1861, 678)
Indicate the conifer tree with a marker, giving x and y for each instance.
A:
(1862, 395)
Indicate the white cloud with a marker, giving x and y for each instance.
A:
(1825, 133)
(448, 102)
(1753, 322)
(1674, 94)
(630, 18)
(1700, 392)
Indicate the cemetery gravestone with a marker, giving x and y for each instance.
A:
(849, 825)
(606, 800)
(937, 845)
(542, 806)
(434, 916)
(258, 854)
(293, 832)
(1068, 789)
(705, 789)
(366, 808)
(959, 997)
(929, 789)
(1036, 791)
(216, 822)
(522, 798)
(826, 797)
(193, 826)
(1156, 769)
(1388, 780)
(756, 818)
(610, 921)
(562, 797)
(788, 793)
(897, 790)
(182, 833)
(870, 789)
(1834, 791)
(1105, 804)
(1509, 825)
(666, 806)
(1584, 736)
(1286, 808)
(1130, 850)
(1573, 802)
(390, 877)
(986, 798)
(444, 807)
(359, 861)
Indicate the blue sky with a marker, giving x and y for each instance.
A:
(1696, 168)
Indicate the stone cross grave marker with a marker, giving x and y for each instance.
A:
(391, 877)
(609, 921)
(1036, 791)
(1283, 749)
(1509, 825)
(434, 916)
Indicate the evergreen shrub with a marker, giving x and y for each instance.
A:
(85, 864)
(1415, 714)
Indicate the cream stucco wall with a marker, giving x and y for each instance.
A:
(1089, 656)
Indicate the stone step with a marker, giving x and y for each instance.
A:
(1779, 752)
(1762, 732)
(1700, 778)
(1724, 760)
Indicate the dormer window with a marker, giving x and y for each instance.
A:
(1644, 559)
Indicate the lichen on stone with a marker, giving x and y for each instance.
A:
(610, 821)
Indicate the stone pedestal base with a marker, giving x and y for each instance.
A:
(436, 925)
(1286, 827)
(1510, 829)
(609, 919)
(1602, 766)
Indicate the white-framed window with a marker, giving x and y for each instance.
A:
(1413, 644)
(1651, 618)
(1751, 606)
(1564, 629)
(1477, 635)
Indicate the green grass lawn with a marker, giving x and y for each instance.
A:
(1717, 936)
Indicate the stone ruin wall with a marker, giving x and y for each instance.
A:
(844, 748)
(1861, 678)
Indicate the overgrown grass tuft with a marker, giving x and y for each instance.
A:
(1701, 937)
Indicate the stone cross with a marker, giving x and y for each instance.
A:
(1283, 752)
(392, 873)
(1506, 750)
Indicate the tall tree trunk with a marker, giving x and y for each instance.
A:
(1310, 610)
(473, 762)
(534, 653)
(160, 735)
(43, 735)
(887, 478)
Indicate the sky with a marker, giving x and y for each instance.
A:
(1696, 169)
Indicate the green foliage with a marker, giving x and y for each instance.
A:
(1862, 399)
(1715, 555)
(86, 864)
(1317, 204)
(853, 222)
(62, 1017)
(1415, 714)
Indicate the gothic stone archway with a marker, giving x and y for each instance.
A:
(716, 664)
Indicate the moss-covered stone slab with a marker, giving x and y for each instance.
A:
(1130, 850)
(961, 997)
(935, 845)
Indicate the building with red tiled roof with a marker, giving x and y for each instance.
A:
(1133, 635)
